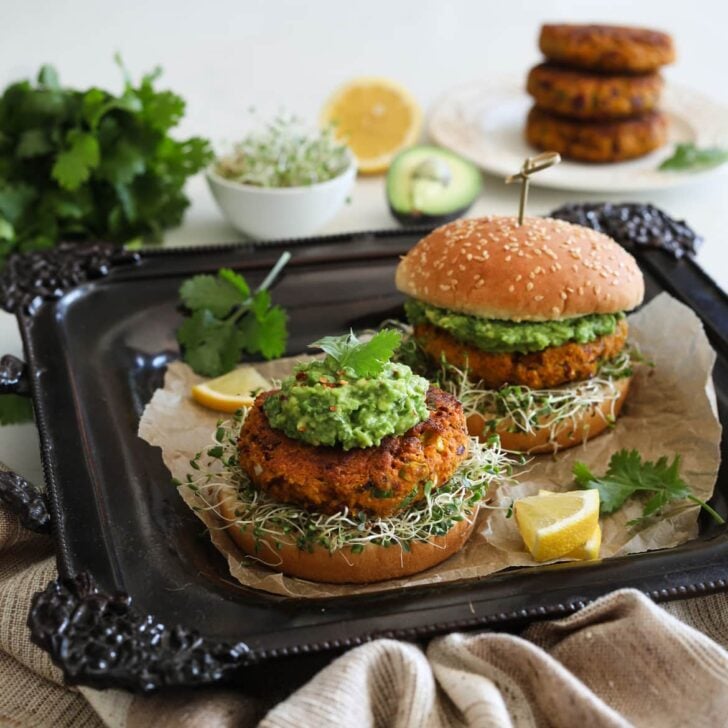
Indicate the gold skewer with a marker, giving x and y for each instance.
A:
(531, 165)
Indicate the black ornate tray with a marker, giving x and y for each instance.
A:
(144, 600)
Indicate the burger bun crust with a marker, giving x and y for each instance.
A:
(374, 563)
(542, 270)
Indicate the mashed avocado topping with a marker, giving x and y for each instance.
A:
(494, 335)
(353, 398)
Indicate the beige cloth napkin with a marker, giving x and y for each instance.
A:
(620, 661)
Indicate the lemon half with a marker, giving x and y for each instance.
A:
(376, 118)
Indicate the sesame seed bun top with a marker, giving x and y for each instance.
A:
(543, 270)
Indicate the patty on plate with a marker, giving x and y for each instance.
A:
(597, 141)
(587, 95)
(607, 47)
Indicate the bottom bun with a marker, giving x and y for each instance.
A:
(590, 423)
(374, 563)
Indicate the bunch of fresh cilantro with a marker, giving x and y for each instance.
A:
(89, 165)
(226, 318)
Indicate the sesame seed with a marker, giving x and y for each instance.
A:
(564, 295)
(538, 298)
(555, 309)
(511, 288)
(529, 286)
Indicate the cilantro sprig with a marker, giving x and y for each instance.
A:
(89, 164)
(362, 358)
(627, 475)
(228, 319)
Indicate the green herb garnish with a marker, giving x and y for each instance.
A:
(363, 358)
(89, 165)
(690, 157)
(228, 319)
(284, 155)
(628, 475)
(15, 409)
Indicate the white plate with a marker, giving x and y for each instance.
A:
(484, 122)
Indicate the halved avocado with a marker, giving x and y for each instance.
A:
(427, 184)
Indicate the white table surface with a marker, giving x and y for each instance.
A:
(226, 56)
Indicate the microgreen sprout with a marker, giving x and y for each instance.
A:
(281, 523)
(285, 154)
(519, 408)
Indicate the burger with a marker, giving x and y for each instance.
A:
(527, 323)
(354, 470)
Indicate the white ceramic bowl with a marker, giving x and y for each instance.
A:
(267, 213)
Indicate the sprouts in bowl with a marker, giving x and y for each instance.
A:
(282, 181)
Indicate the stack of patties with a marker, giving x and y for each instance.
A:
(527, 325)
(596, 96)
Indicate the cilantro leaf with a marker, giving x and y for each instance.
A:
(33, 143)
(212, 346)
(122, 163)
(689, 157)
(627, 475)
(235, 280)
(227, 320)
(265, 332)
(15, 409)
(211, 293)
(7, 231)
(48, 77)
(15, 201)
(73, 166)
(365, 359)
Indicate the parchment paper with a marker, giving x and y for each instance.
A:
(671, 409)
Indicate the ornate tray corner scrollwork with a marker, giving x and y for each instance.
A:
(26, 501)
(28, 279)
(100, 640)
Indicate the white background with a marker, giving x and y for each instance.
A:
(225, 57)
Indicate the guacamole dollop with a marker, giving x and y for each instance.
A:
(322, 407)
(520, 336)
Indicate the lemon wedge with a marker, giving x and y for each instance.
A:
(231, 391)
(376, 118)
(554, 525)
(588, 551)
